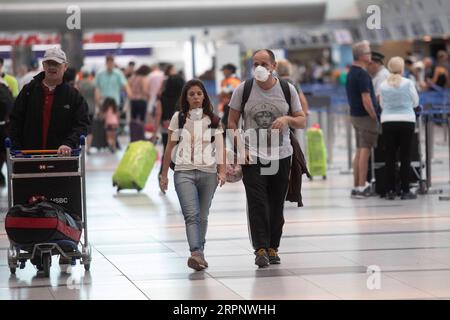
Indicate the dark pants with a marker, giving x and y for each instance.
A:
(4, 132)
(266, 195)
(138, 109)
(397, 137)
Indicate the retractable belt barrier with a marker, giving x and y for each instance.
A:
(332, 100)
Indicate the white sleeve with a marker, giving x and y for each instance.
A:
(236, 98)
(379, 95)
(296, 105)
(414, 94)
(173, 127)
(219, 130)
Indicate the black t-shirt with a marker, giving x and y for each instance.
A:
(358, 82)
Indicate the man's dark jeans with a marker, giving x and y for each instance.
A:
(266, 195)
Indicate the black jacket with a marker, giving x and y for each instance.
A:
(69, 117)
(6, 104)
(298, 169)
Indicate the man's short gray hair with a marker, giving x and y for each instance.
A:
(284, 68)
(360, 48)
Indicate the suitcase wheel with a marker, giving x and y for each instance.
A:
(86, 257)
(422, 187)
(137, 187)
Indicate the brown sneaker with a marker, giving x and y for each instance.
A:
(274, 258)
(196, 261)
(261, 258)
(205, 263)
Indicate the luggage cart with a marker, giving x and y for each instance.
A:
(58, 178)
(417, 167)
(422, 165)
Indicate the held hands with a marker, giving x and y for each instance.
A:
(244, 156)
(64, 150)
(280, 122)
(163, 183)
(221, 177)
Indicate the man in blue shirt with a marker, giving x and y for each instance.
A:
(110, 82)
(363, 112)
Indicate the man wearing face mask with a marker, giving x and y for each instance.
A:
(266, 193)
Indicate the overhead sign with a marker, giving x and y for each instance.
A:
(54, 38)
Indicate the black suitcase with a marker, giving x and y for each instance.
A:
(137, 130)
(380, 168)
(63, 190)
(98, 134)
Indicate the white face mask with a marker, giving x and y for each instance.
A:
(261, 74)
(196, 114)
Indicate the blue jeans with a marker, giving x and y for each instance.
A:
(195, 190)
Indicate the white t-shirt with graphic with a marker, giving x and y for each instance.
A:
(261, 109)
(195, 150)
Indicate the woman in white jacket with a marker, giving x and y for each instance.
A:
(199, 164)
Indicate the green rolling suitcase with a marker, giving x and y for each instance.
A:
(317, 153)
(135, 166)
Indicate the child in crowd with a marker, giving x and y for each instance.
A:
(110, 114)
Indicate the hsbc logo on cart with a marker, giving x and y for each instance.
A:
(45, 167)
(60, 200)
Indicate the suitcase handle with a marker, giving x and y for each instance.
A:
(75, 152)
(37, 151)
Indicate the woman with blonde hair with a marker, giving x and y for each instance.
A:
(284, 70)
(398, 98)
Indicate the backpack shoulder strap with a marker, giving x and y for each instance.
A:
(248, 89)
(287, 92)
(248, 84)
(181, 120)
(215, 121)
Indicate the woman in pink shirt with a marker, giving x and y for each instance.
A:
(111, 117)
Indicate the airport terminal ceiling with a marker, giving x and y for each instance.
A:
(51, 15)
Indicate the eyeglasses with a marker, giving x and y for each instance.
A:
(52, 63)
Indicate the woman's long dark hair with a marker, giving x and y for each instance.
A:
(143, 70)
(184, 105)
(107, 103)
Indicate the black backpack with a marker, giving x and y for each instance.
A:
(6, 102)
(248, 84)
(215, 121)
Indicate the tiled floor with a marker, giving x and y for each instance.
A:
(140, 249)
